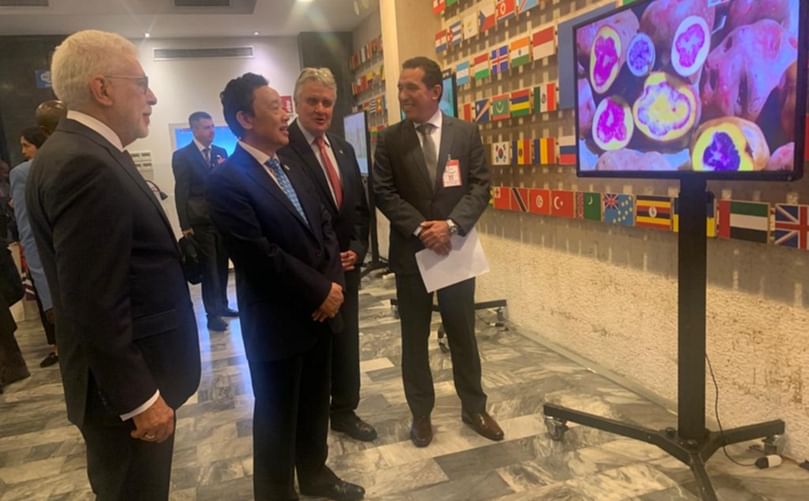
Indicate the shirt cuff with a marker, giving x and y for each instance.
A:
(142, 408)
(417, 232)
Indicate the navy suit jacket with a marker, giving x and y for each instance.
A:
(190, 177)
(351, 219)
(284, 265)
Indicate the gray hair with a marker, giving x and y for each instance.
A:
(82, 56)
(321, 75)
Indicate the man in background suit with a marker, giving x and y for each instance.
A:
(431, 180)
(192, 165)
(125, 328)
(289, 285)
(331, 164)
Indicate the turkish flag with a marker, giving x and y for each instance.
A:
(563, 203)
(539, 201)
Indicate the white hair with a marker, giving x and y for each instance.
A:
(82, 56)
(321, 75)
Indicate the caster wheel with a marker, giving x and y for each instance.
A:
(556, 428)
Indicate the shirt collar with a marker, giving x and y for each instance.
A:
(437, 119)
(201, 147)
(259, 155)
(98, 126)
(310, 139)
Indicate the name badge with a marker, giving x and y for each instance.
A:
(452, 174)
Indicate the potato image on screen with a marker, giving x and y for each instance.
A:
(667, 109)
(729, 144)
(612, 125)
(690, 46)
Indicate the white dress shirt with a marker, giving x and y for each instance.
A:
(437, 120)
(310, 139)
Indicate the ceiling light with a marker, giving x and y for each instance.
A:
(147, 34)
(255, 33)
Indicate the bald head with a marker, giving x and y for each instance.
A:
(49, 113)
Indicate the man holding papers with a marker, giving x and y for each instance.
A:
(432, 182)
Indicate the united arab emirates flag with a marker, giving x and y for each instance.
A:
(744, 220)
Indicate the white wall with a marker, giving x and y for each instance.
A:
(185, 86)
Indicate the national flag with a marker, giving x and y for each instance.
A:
(567, 150)
(535, 149)
(520, 51)
(455, 32)
(450, 3)
(563, 203)
(468, 111)
(547, 151)
(521, 103)
(539, 201)
(501, 153)
(514, 152)
(500, 107)
(441, 41)
(543, 42)
(523, 151)
(505, 9)
(588, 205)
(439, 6)
(501, 197)
(744, 220)
(470, 26)
(480, 66)
(524, 5)
(545, 97)
(486, 15)
(653, 212)
(482, 109)
(710, 217)
(618, 209)
(500, 60)
(519, 199)
(462, 73)
(792, 226)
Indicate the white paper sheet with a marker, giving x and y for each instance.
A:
(466, 260)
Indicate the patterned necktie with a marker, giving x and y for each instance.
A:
(334, 178)
(286, 186)
(206, 154)
(428, 148)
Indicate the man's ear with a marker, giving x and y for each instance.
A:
(245, 120)
(436, 94)
(100, 90)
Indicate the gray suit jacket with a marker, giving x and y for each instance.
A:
(404, 192)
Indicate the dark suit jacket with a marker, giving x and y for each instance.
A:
(123, 313)
(351, 220)
(284, 267)
(404, 194)
(190, 176)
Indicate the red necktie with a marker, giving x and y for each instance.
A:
(334, 178)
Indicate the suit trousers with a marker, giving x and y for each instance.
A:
(120, 467)
(290, 422)
(47, 325)
(456, 304)
(345, 369)
(215, 269)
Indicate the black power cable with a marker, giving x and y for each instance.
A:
(716, 411)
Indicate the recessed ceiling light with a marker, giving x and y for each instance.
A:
(147, 34)
(306, 1)
(255, 33)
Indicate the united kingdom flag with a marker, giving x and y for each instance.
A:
(792, 226)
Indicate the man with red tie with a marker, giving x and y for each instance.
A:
(331, 165)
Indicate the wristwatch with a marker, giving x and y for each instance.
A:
(453, 228)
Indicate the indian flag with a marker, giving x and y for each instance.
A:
(543, 42)
(480, 66)
(520, 51)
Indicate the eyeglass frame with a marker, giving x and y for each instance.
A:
(140, 81)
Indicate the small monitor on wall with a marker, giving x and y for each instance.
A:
(356, 133)
(707, 88)
(181, 135)
(448, 103)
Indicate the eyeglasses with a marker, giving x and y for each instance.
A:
(142, 82)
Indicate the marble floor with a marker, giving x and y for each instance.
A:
(42, 455)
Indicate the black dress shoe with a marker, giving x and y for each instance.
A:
(338, 489)
(354, 427)
(51, 359)
(421, 432)
(217, 324)
(227, 312)
(484, 424)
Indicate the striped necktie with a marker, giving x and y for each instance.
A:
(286, 186)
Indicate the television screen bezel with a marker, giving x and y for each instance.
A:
(367, 139)
(450, 75)
(800, 122)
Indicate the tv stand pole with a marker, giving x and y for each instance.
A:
(691, 442)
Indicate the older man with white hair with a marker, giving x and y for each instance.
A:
(125, 328)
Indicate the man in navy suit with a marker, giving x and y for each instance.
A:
(289, 285)
(192, 165)
(331, 165)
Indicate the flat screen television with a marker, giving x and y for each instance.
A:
(675, 88)
(355, 127)
(448, 103)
